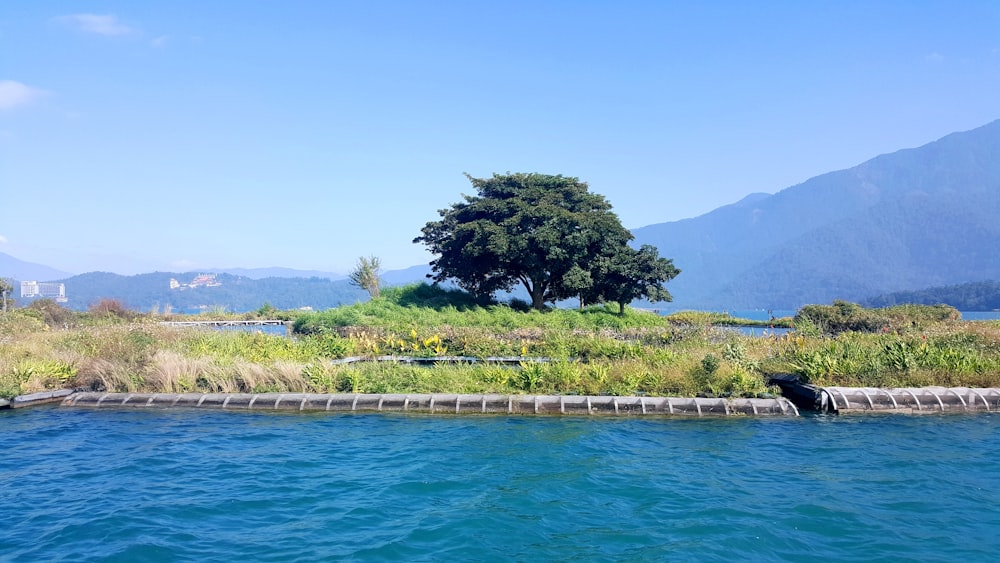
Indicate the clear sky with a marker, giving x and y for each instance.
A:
(184, 135)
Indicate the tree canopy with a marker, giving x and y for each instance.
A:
(547, 233)
(630, 274)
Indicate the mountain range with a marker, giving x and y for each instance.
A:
(905, 221)
(916, 218)
(14, 268)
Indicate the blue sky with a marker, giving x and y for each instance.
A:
(186, 135)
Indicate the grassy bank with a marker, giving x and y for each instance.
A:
(593, 351)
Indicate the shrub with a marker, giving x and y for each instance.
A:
(842, 316)
(112, 308)
(50, 312)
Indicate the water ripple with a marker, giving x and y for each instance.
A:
(193, 485)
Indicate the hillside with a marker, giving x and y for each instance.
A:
(234, 293)
(907, 220)
(977, 296)
(20, 270)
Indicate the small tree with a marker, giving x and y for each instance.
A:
(52, 313)
(110, 308)
(5, 288)
(630, 274)
(366, 275)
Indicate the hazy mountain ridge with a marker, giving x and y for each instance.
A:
(235, 293)
(974, 296)
(906, 220)
(276, 272)
(21, 270)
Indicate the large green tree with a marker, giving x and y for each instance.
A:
(547, 233)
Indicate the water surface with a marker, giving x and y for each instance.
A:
(164, 485)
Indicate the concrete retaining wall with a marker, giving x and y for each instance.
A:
(441, 403)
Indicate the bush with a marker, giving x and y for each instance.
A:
(842, 316)
(50, 312)
(112, 308)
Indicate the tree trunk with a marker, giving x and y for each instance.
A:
(537, 293)
(537, 301)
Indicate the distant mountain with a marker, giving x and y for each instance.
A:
(145, 292)
(407, 275)
(977, 296)
(928, 216)
(261, 273)
(20, 270)
(240, 289)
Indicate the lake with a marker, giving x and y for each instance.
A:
(166, 485)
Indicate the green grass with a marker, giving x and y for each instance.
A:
(593, 351)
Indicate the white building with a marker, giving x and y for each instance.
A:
(48, 290)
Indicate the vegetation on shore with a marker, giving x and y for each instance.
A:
(591, 351)
(974, 296)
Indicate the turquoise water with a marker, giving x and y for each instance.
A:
(207, 485)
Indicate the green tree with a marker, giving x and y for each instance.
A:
(366, 275)
(630, 274)
(544, 232)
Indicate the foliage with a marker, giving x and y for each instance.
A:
(18, 322)
(712, 318)
(844, 317)
(366, 275)
(630, 274)
(423, 306)
(950, 358)
(434, 296)
(50, 312)
(710, 363)
(547, 233)
(593, 351)
(920, 316)
(111, 308)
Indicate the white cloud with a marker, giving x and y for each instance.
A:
(934, 58)
(106, 24)
(159, 41)
(3, 239)
(13, 94)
